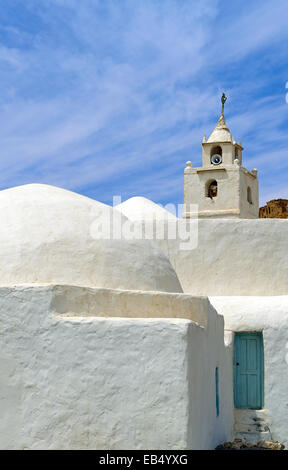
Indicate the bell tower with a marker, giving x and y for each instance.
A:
(222, 187)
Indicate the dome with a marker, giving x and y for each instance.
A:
(221, 132)
(46, 237)
(140, 208)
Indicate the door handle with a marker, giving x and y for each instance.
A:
(237, 364)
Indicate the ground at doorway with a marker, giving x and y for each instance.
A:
(240, 444)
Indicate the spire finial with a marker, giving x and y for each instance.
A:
(223, 101)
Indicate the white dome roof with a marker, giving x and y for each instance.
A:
(45, 237)
(140, 208)
(221, 132)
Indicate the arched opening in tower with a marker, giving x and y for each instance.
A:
(249, 195)
(212, 189)
(216, 151)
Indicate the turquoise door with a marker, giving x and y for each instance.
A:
(248, 370)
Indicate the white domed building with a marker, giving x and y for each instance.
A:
(113, 341)
(95, 332)
(50, 235)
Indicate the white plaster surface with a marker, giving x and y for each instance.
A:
(231, 200)
(269, 315)
(233, 257)
(227, 201)
(140, 208)
(116, 356)
(77, 381)
(45, 237)
(79, 301)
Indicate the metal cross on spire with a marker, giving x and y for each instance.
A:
(223, 101)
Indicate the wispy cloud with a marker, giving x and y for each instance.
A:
(113, 97)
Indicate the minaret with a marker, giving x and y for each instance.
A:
(222, 187)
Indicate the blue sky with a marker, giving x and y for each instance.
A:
(112, 97)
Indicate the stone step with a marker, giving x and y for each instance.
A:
(253, 437)
(250, 416)
(255, 427)
(251, 425)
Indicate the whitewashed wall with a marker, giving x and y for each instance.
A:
(233, 257)
(269, 315)
(73, 379)
(205, 353)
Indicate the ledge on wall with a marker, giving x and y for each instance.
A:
(99, 302)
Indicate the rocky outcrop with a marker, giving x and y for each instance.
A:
(275, 209)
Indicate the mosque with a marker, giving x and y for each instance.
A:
(124, 342)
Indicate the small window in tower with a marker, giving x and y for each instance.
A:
(212, 188)
(215, 150)
(216, 155)
(249, 195)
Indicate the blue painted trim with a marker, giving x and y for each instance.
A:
(217, 390)
(247, 383)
